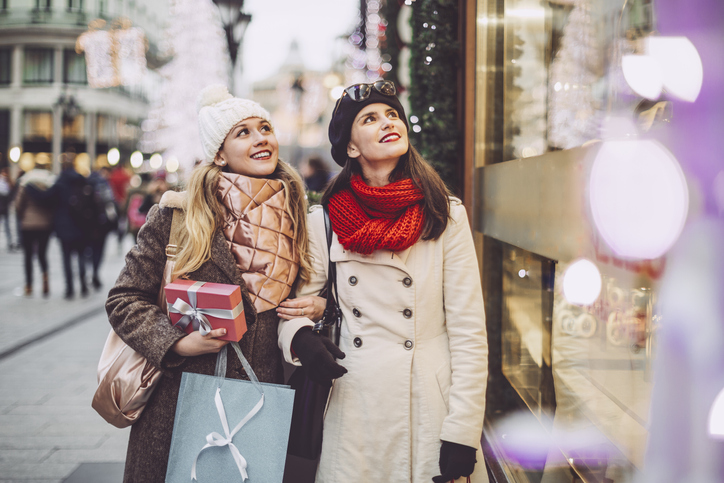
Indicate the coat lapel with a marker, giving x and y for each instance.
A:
(378, 257)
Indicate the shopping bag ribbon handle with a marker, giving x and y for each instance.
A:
(215, 439)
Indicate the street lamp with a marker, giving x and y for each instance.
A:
(234, 22)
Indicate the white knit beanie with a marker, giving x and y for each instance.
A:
(219, 111)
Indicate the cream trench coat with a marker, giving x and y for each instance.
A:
(416, 350)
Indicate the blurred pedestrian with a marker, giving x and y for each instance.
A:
(120, 180)
(35, 218)
(156, 188)
(107, 219)
(75, 217)
(6, 189)
(315, 172)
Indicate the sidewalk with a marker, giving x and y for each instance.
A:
(49, 349)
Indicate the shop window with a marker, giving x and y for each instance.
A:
(74, 68)
(75, 5)
(74, 127)
(6, 58)
(103, 128)
(38, 126)
(38, 67)
(4, 5)
(42, 4)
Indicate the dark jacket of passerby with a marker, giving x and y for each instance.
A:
(66, 228)
(34, 214)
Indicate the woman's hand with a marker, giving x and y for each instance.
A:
(196, 344)
(310, 306)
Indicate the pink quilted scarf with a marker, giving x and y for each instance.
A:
(261, 236)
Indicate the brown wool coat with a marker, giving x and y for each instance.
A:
(147, 329)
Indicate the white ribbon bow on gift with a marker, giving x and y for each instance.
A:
(196, 316)
(215, 439)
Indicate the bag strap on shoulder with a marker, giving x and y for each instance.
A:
(177, 224)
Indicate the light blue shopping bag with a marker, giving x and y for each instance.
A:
(229, 430)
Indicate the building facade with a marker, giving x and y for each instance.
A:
(46, 104)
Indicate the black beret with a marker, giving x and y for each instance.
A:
(340, 127)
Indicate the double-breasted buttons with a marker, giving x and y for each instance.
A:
(356, 312)
(352, 280)
(409, 344)
(407, 313)
(357, 342)
(407, 281)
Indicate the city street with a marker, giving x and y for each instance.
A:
(49, 349)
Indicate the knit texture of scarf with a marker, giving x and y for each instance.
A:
(368, 218)
(260, 233)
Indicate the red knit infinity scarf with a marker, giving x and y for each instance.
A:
(366, 219)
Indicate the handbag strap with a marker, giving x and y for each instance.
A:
(177, 224)
(332, 318)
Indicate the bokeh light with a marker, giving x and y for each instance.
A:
(114, 156)
(14, 154)
(156, 161)
(682, 69)
(639, 197)
(582, 282)
(136, 159)
(172, 164)
(716, 417)
(643, 74)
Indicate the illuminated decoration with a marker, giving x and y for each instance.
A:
(14, 154)
(638, 196)
(136, 159)
(113, 156)
(582, 283)
(574, 114)
(116, 56)
(200, 58)
(433, 93)
(716, 417)
(670, 63)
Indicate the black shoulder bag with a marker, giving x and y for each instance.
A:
(310, 398)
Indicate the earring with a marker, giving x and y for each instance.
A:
(223, 163)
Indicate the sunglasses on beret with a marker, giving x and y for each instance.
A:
(361, 92)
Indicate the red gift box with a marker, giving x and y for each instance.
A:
(198, 305)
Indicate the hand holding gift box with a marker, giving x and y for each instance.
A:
(204, 306)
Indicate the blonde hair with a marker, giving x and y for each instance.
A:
(205, 214)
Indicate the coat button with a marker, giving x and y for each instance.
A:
(357, 342)
(407, 281)
(409, 344)
(407, 313)
(352, 280)
(356, 312)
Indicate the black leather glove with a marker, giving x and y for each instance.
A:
(317, 354)
(456, 460)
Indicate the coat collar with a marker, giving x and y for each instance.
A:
(379, 257)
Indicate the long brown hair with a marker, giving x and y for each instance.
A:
(436, 203)
(204, 215)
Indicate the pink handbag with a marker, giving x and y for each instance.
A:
(125, 378)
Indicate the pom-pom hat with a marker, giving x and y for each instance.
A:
(219, 111)
(340, 127)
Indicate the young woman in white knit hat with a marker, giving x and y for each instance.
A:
(241, 179)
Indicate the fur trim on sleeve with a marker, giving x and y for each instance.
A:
(173, 199)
